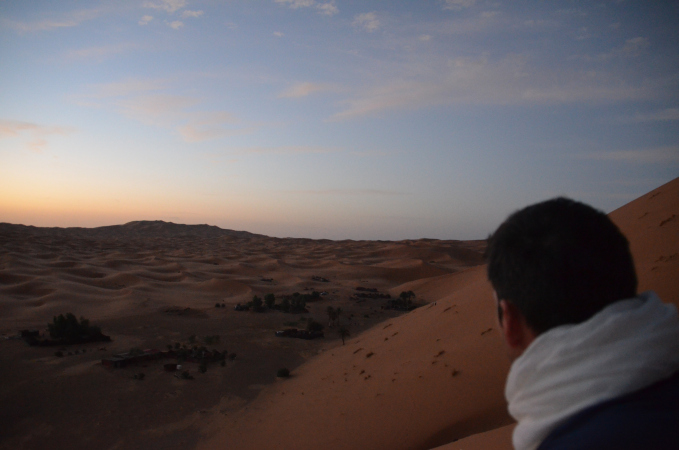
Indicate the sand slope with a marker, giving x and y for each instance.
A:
(401, 381)
(150, 284)
(651, 223)
(416, 381)
(435, 375)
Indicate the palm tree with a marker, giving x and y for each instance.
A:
(343, 333)
(332, 315)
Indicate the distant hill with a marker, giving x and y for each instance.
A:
(131, 230)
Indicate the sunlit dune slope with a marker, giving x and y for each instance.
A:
(651, 223)
(497, 439)
(416, 381)
(436, 374)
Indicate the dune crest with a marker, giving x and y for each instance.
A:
(431, 377)
(403, 401)
(415, 381)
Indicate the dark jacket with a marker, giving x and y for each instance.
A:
(645, 419)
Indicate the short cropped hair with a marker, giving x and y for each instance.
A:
(560, 262)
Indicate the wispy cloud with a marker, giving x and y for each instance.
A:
(296, 4)
(284, 150)
(12, 128)
(303, 89)
(100, 52)
(367, 21)
(169, 6)
(195, 14)
(193, 133)
(656, 155)
(35, 133)
(171, 111)
(457, 5)
(218, 158)
(156, 109)
(325, 8)
(208, 125)
(353, 192)
(278, 34)
(463, 81)
(632, 48)
(68, 20)
(127, 87)
(664, 115)
(147, 102)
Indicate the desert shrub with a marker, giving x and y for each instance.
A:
(257, 304)
(139, 376)
(59, 354)
(68, 327)
(312, 325)
(334, 315)
(283, 373)
(202, 368)
(192, 339)
(298, 303)
(222, 362)
(343, 333)
(212, 339)
(270, 300)
(404, 302)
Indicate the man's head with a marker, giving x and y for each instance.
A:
(559, 262)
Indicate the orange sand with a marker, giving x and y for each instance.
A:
(432, 377)
(404, 395)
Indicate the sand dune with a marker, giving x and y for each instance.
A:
(403, 398)
(651, 224)
(402, 380)
(153, 284)
(413, 382)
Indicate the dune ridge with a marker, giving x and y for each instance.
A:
(150, 284)
(349, 414)
(431, 377)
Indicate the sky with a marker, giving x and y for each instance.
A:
(368, 119)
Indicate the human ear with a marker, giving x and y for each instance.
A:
(514, 329)
(499, 310)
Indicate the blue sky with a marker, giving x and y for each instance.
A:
(332, 119)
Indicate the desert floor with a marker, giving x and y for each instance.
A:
(136, 282)
(427, 378)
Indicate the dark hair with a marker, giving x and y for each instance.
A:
(560, 262)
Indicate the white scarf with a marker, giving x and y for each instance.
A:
(627, 346)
